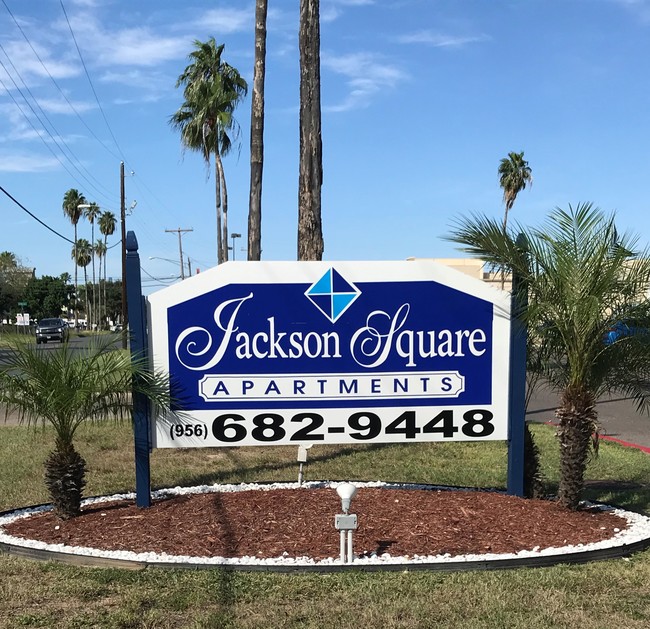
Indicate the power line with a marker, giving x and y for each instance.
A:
(92, 87)
(72, 107)
(54, 139)
(22, 207)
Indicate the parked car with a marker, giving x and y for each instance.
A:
(52, 330)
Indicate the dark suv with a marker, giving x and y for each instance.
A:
(52, 330)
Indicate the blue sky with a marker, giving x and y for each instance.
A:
(421, 99)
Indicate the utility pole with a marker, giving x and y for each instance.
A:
(180, 233)
(123, 229)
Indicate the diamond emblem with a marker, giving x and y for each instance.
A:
(332, 294)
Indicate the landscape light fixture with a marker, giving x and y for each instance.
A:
(346, 522)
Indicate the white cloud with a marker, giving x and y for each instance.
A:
(640, 8)
(12, 163)
(438, 40)
(61, 106)
(228, 20)
(330, 10)
(367, 75)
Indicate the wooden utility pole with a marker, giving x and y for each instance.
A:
(180, 233)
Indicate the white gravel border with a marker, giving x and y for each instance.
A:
(638, 529)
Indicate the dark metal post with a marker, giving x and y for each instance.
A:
(138, 330)
(517, 384)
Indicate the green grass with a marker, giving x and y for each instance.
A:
(598, 595)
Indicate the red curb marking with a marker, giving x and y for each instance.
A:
(627, 444)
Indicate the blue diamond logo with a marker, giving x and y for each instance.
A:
(332, 294)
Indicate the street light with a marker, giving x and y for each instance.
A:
(233, 236)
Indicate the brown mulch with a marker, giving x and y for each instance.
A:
(301, 523)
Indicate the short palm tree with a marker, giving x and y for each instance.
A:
(212, 90)
(583, 278)
(72, 199)
(65, 387)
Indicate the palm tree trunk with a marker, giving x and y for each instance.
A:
(65, 472)
(578, 421)
(217, 185)
(310, 231)
(224, 198)
(257, 134)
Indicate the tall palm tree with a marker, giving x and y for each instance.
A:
(100, 251)
(257, 134)
(72, 199)
(583, 279)
(92, 214)
(107, 225)
(212, 89)
(310, 178)
(66, 387)
(82, 253)
(514, 175)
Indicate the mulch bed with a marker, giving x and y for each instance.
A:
(266, 524)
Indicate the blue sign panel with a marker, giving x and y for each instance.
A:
(264, 353)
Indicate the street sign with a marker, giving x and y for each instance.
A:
(345, 352)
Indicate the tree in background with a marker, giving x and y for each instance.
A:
(92, 214)
(584, 278)
(48, 296)
(107, 225)
(72, 199)
(514, 175)
(65, 388)
(100, 251)
(82, 252)
(212, 90)
(310, 179)
(257, 134)
(10, 283)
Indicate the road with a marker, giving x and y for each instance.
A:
(618, 416)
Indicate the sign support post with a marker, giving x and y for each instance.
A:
(138, 335)
(517, 388)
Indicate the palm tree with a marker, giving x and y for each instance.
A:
(66, 387)
(82, 253)
(212, 90)
(100, 251)
(257, 134)
(92, 213)
(583, 278)
(72, 199)
(514, 175)
(107, 225)
(310, 179)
